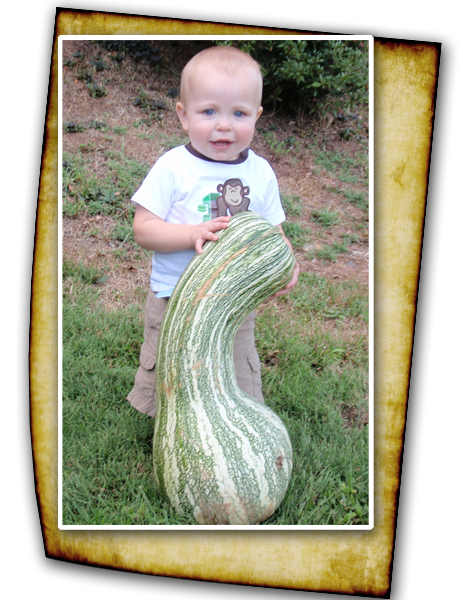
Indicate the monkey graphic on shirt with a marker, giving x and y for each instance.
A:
(233, 197)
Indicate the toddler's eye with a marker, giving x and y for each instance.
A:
(209, 112)
(239, 113)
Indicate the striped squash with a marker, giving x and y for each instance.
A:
(218, 454)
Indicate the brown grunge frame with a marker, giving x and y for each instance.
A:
(349, 562)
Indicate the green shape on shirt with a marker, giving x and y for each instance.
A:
(207, 205)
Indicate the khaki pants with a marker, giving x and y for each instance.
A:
(247, 363)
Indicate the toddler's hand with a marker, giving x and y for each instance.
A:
(206, 231)
(290, 284)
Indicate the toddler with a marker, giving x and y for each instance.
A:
(193, 191)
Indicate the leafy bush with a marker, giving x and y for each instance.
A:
(72, 127)
(138, 50)
(95, 90)
(308, 76)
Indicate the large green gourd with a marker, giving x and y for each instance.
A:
(218, 454)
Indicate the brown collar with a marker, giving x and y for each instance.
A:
(241, 158)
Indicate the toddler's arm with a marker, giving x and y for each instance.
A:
(296, 272)
(153, 233)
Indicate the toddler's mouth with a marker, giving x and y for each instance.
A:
(221, 143)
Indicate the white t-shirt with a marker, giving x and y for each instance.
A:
(185, 187)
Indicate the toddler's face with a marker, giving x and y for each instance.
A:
(220, 111)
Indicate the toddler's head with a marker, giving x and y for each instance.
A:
(220, 96)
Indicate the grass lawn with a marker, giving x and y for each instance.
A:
(310, 381)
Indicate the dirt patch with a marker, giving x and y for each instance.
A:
(124, 268)
(352, 417)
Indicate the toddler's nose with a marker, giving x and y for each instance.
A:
(223, 124)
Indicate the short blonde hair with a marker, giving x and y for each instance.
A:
(227, 58)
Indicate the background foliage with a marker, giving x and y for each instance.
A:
(309, 76)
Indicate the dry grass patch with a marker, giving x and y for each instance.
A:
(124, 267)
(354, 417)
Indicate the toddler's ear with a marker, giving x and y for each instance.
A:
(182, 115)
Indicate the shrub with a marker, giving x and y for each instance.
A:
(308, 76)
(95, 90)
(138, 50)
(72, 127)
